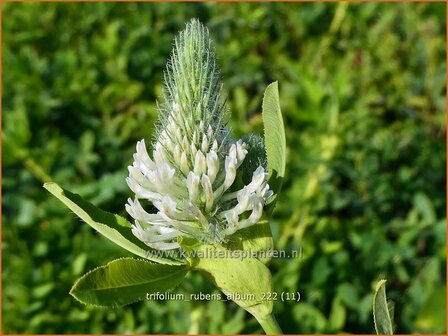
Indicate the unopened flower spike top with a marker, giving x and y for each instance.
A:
(190, 175)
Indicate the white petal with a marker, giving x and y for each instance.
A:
(166, 206)
(215, 146)
(265, 192)
(258, 177)
(208, 191)
(256, 213)
(159, 154)
(241, 151)
(195, 137)
(165, 173)
(200, 165)
(142, 155)
(184, 167)
(185, 144)
(140, 191)
(177, 153)
(164, 246)
(232, 222)
(212, 165)
(193, 149)
(155, 238)
(232, 151)
(138, 231)
(142, 179)
(135, 209)
(164, 230)
(192, 211)
(243, 200)
(175, 107)
(230, 168)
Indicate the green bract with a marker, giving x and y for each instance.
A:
(209, 192)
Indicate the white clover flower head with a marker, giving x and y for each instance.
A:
(191, 178)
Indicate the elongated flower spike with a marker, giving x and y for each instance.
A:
(204, 189)
(191, 176)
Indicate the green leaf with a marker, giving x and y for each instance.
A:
(113, 227)
(381, 315)
(124, 281)
(432, 315)
(255, 239)
(274, 138)
(425, 206)
(243, 280)
(338, 315)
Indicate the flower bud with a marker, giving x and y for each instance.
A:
(232, 151)
(195, 137)
(159, 154)
(193, 150)
(176, 153)
(184, 167)
(204, 145)
(200, 165)
(212, 165)
(185, 144)
(208, 192)
(230, 167)
(215, 146)
(209, 132)
(192, 183)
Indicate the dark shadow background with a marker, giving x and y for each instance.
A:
(362, 90)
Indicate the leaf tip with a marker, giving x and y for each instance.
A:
(47, 185)
(273, 85)
(51, 186)
(380, 283)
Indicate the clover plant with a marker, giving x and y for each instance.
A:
(199, 194)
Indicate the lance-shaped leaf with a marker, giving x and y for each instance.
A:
(381, 311)
(113, 227)
(274, 138)
(124, 281)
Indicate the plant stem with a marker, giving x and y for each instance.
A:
(270, 325)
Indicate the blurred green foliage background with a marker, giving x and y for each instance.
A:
(362, 90)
